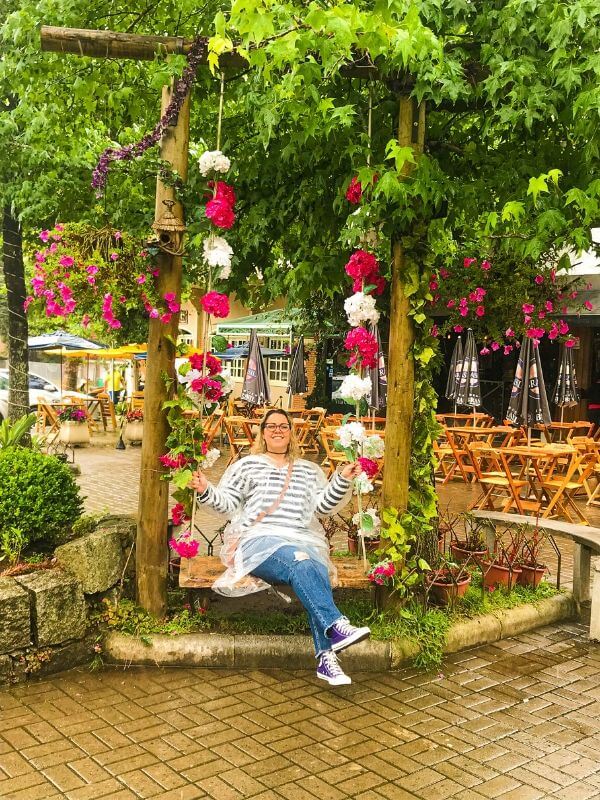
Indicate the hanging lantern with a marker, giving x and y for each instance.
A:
(169, 231)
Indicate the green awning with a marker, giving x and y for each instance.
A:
(279, 322)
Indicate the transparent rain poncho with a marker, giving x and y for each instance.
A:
(246, 544)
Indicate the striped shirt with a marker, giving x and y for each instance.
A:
(254, 483)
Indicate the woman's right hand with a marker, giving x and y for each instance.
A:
(198, 482)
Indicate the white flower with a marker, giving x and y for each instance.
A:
(373, 447)
(351, 433)
(191, 375)
(362, 485)
(361, 308)
(225, 273)
(213, 161)
(376, 522)
(354, 388)
(217, 252)
(211, 457)
(228, 381)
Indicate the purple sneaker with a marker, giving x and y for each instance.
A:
(329, 670)
(343, 634)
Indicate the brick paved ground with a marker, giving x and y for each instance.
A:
(518, 720)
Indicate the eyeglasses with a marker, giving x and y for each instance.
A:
(271, 427)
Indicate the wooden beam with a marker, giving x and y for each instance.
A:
(151, 543)
(110, 44)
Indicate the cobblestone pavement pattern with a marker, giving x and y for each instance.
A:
(518, 720)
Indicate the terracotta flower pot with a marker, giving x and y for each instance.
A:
(531, 575)
(445, 592)
(499, 575)
(134, 431)
(370, 545)
(462, 553)
(74, 433)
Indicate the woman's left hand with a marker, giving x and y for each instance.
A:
(351, 471)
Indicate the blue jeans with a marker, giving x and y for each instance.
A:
(310, 581)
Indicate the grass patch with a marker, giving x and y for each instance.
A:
(426, 627)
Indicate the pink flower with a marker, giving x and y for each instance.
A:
(528, 308)
(369, 467)
(153, 313)
(563, 328)
(91, 281)
(58, 227)
(44, 236)
(539, 279)
(92, 269)
(85, 320)
(117, 235)
(220, 213)
(39, 257)
(363, 346)
(166, 318)
(140, 279)
(172, 304)
(573, 295)
(553, 275)
(362, 265)
(541, 315)
(495, 346)
(66, 261)
(509, 333)
(211, 363)
(434, 330)
(211, 389)
(216, 304)
(376, 281)
(433, 284)
(507, 349)
(122, 299)
(484, 351)
(588, 305)
(588, 286)
(535, 333)
(444, 274)
(53, 248)
(27, 302)
(178, 515)
(38, 282)
(223, 192)
(155, 273)
(185, 546)
(458, 329)
(354, 192)
(553, 332)
(570, 343)
(450, 303)
(485, 265)
(174, 462)
(468, 261)
(463, 311)
(527, 319)
(114, 256)
(549, 305)
(480, 311)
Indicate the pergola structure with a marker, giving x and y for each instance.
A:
(151, 551)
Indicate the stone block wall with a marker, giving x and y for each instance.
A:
(44, 621)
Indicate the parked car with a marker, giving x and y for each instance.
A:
(39, 389)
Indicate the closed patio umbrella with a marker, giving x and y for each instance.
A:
(468, 390)
(378, 375)
(255, 389)
(528, 404)
(566, 392)
(297, 383)
(455, 367)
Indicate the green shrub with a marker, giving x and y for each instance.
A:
(38, 494)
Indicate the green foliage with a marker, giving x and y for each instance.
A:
(12, 434)
(38, 494)
(12, 541)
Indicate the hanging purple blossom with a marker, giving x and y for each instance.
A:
(194, 58)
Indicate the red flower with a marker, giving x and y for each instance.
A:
(468, 261)
(220, 213)
(224, 192)
(362, 265)
(364, 345)
(369, 467)
(178, 515)
(174, 462)
(376, 281)
(212, 390)
(354, 192)
(215, 304)
(213, 365)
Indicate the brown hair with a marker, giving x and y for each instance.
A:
(260, 446)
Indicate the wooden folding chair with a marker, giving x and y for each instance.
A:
(212, 426)
(107, 410)
(136, 401)
(495, 478)
(445, 462)
(333, 457)
(239, 435)
(46, 416)
(314, 417)
(462, 456)
(562, 489)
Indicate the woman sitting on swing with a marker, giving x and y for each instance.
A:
(272, 497)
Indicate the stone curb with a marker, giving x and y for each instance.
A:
(230, 651)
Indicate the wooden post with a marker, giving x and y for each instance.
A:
(401, 368)
(151, 544)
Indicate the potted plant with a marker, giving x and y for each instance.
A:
(74, 429)
(532, 569)
(472, 546)
(134, 425)
(448, 582)
(502, 569)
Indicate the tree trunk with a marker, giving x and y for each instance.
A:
(151, 544)
(14, 277)
(401, 367)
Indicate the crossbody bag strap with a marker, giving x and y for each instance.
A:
(277, 502)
